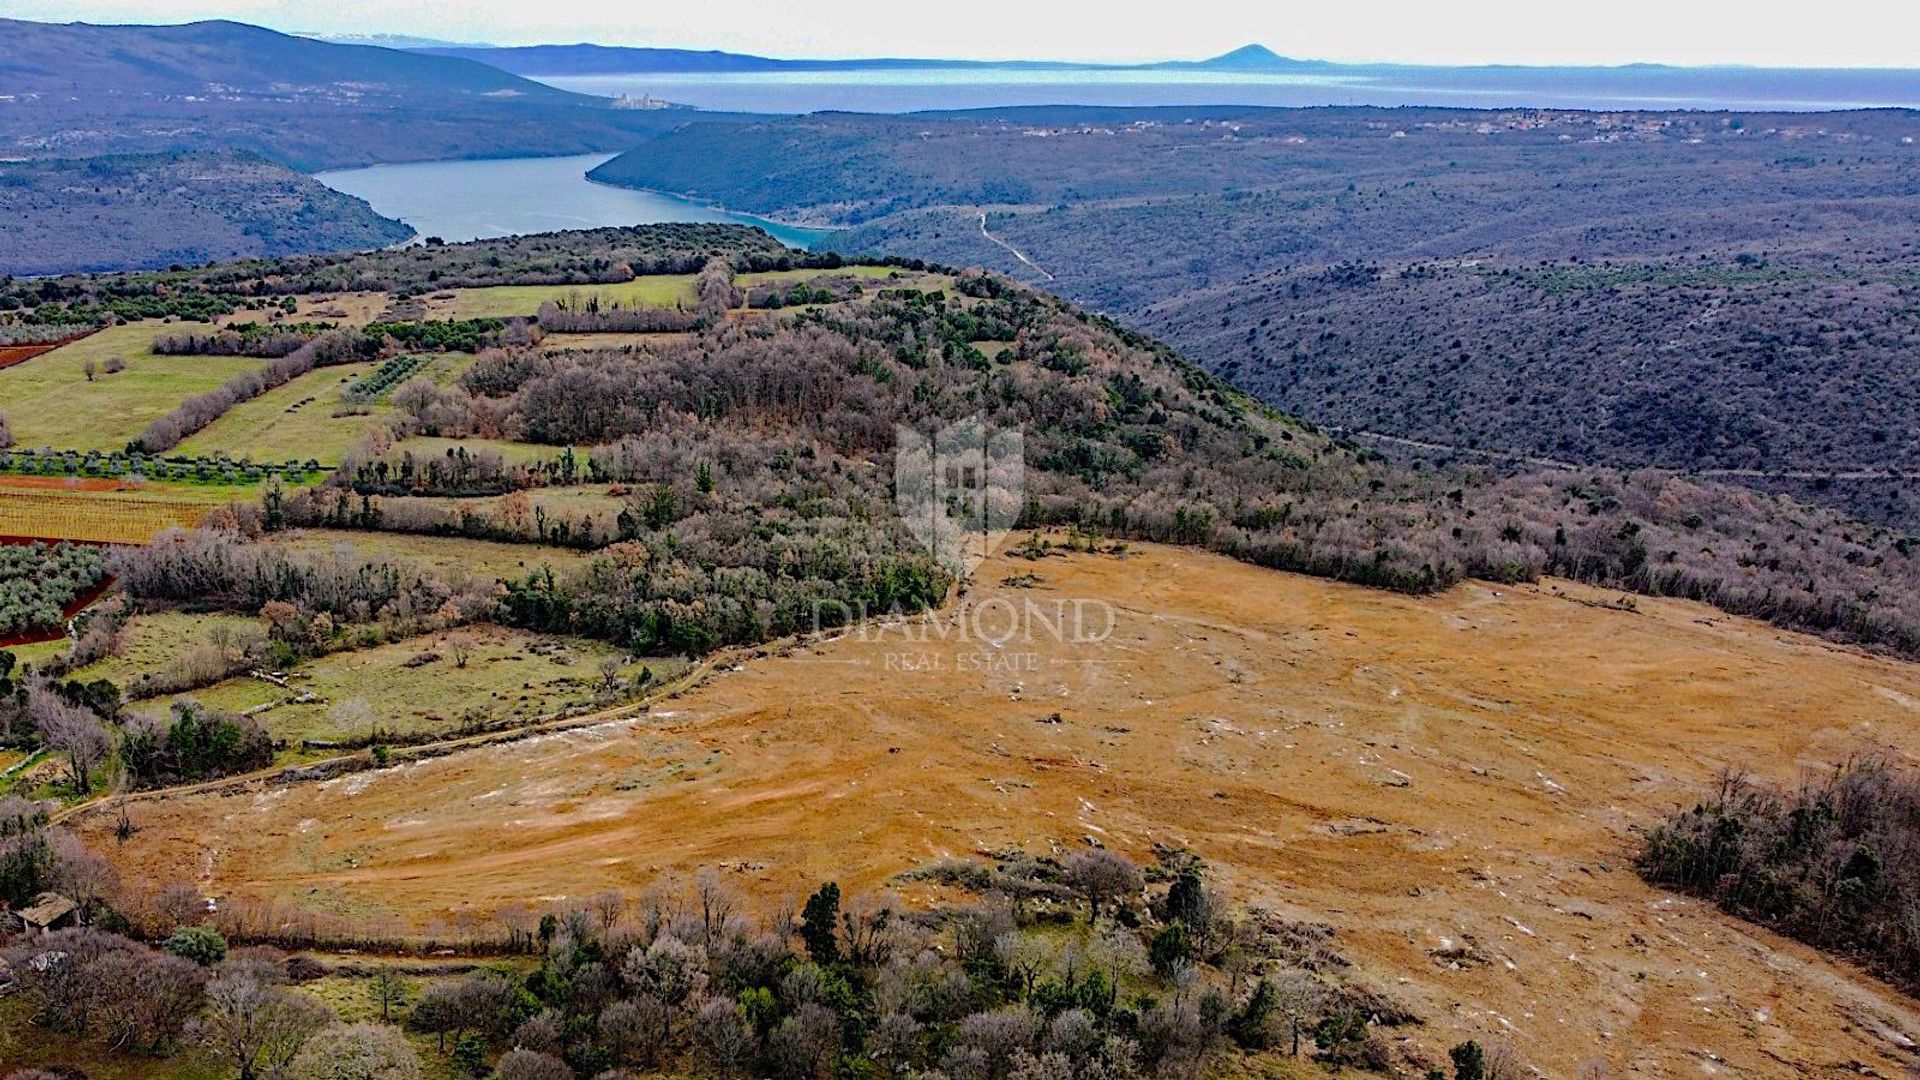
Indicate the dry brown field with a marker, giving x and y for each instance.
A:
(1454, 783)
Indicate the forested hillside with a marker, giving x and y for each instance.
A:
(157, 210)
(1122, 437)
(1688, 291)
(79, 90)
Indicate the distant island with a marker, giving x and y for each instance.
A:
(588, 59)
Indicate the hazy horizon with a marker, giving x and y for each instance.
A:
(1849, 33)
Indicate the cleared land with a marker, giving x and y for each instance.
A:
(503, 301)
(1452, 782)
(101, 517)
(417, 687)
(294, 422)
(49, 401)
(152, 643)
(444, 553)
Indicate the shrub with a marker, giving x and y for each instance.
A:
(201, 944)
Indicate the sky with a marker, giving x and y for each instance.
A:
(1831, 33)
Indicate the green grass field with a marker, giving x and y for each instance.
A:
(883, 276)
(294, 422)
(39, 652)
(297, 421)
(510, 677)
(152, 643)
(49, 401)
(503, 301)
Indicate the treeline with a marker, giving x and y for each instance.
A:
(512, 519)
(584, 257)
(457, 471)
(328, 589)
(1834, 862)
(439, 335)
(246, 339)
(50, 302)
(820, 290)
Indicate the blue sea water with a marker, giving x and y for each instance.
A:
(466, 200)
(1634, 87)
(472, 200)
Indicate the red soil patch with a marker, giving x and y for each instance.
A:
(20, 354)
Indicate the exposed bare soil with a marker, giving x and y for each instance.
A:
(1452, 782)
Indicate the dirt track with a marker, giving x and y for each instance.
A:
(1452, 775)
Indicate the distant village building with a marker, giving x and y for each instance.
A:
(644, 101)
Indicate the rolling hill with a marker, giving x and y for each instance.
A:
(78, 90)
(1725, 292)
(156, 210)
(222, 57)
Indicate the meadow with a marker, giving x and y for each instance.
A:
(506, 301)
(300, 421)
(50, 402)
(473, 678)
(307, 419)
(446, 554)
(1448, 783)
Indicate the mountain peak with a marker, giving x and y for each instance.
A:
(1249, 56)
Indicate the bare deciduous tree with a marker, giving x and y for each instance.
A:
(1101, 876)
(256, 1027)
(1298, 999)
(71, 730)
(361, 1051)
